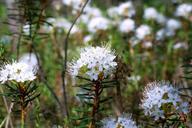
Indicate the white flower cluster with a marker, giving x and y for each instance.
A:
(126, 9)
(122, 122)
(113, 12)
(180, 45)
(121, 17)
(159, 94)
(60, 23)
(143, 31)
(184, 10)
(98, 23)
(152, 14)
(75, 4)
(127, 26)
(89, 13)
(30, 59)
(171, 26)
(96, 62)
(26, 29)
(17, 71)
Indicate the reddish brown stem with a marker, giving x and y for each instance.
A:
(94, 114)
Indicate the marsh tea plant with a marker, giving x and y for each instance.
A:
(95, 64)
(18, 78)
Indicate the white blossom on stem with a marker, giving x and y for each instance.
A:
(121, 122)
(17, 71)
(95, 62)
(158, 95)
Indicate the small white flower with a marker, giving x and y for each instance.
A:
(173, 24)
(89, 13)
(134, 41)
(180, 45)
(125, 122)
(112, 12)
(184, 10)
(134, 78)
(87, 38)
(92, 11)
(48, 27)
(127, 25)
(75, 4)
(143, 31)
(184, 107)
(160, 35)
(161, 19)
(17, 71)
(126, 9)
(109, 123)
(147, 44)
(30, 59)
(98, 23)
(67, 2)
(26, 29)
(95, 62)
(150, 13)
(62, 23)
(121, 122)
(157, 94)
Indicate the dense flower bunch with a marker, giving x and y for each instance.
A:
(122, 17)
(152, 14)
(127, 26)
(126, 9)
(161, 98)
(143, 31)
(122, 122)
(60, 24)
(184, 10)
(17, 71)
(96, 62)
(75, 4)
(98, 23)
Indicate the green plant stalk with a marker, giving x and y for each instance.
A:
(22, 118)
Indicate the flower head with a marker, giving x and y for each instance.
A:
(98, 23)
(127, 25)
(89, 13)
(75, 4)
(157, 95)
(126, 9)
(143, 31)
(112, 12)
(173, 24)
(184, 10)
(95, 62)
(121, 122)
(17, 71)
(150, 13)
(30, 59)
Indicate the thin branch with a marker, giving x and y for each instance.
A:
(43, 76)
(63, 75)
(8, 110)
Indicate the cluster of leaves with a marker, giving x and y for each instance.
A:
(93, 100)
(21, 93)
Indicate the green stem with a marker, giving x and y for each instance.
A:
(22, 117)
